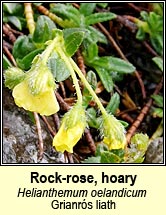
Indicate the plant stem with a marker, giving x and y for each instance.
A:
(29, 17)
(73, 75)
(88, 86)
(48, 50)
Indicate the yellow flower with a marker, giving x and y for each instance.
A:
(114, 132)
(36, 92)
(71, 130)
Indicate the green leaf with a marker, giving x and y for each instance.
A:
(26, 62)
(158, 112)
(87, 8)
(159, 62)
(100, 148)
(119, 152)
(138, 147)
(124, 123)
(58, 68)
(109, 157)
(31, 116)
(90, 50)
(23, 46)
(92, 80)
(113, 104)
(152, 25)
(12, 8)
(155, 22)
(73, 41)
(44, 29)
(140, 34)
(103, 155)
(6, 62)
(68, 31)
(92, 119)
(103, 5)
(15, 21)
(114, 64)
(96, 35)
(157, 42)
(13, 76)
(105, 78)
(144, 15)
(67, 12)
(92, 160)
(107, 67)
(99, 17)
(157, 8)
(158, 100)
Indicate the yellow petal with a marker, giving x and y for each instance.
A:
(65, 140)
(114, 144)
(44, 103)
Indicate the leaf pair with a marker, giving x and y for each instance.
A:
(108, 68)
(83, 18)
(103, 155)
(12, 12)
(152, 25)
(27, 47)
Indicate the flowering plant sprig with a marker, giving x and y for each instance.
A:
(34, 90)
(112, 129)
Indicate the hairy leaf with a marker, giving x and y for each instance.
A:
(114, 64)
(87, 8)
(92, 160)
(26, 62)
(92, 80)
(113, 104)
(103, 5)
(153, 26)
(105, 78)
(23, 46)
(92, 119)
(13, 8)
(58, 68)
(73, 41)
(103, 155)
(67, 12)
(99, 17)
(44, 29)
(90, 50)
(109, 157)
(96, 35)
(15, 21)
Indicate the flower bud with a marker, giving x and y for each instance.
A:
(114, 132)
(13, 76)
